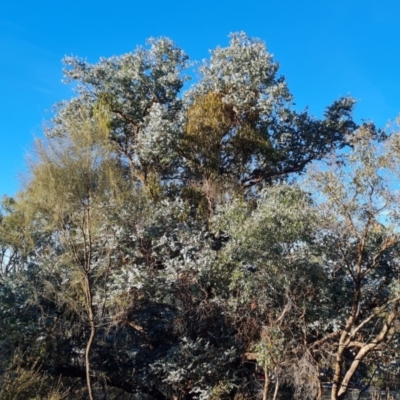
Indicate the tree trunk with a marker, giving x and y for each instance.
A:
(338, 370)
(91, 337)
(320, 393)
(343, 343)
(267, 384)
(276, 388)
(365, 350)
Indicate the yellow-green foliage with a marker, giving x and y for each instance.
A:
(101, 114)
(218, 136)
(209, 120)
(153, 186)
(196, 199)
(71, 173)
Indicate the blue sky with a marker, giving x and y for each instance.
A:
(325, 49)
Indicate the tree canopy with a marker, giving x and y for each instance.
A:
(204, 241)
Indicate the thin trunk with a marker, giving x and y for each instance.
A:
(276, 388)
(89, 299)
(91, 337)
(320, 393)
(209, 197)
(338, 367)
(267, 383)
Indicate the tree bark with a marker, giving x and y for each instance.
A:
(365, 350)
(343, 343)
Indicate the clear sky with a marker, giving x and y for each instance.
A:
(325, 49)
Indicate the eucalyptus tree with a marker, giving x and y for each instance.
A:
(241, 127)
(358, 210)
(235, 127)
(313, 271)
(136, 98)
(169, 246)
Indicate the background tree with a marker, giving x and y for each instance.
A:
(274, 281)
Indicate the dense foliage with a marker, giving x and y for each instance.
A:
(212, 243)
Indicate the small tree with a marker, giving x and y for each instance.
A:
(75, 183)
